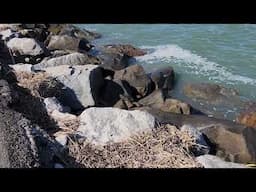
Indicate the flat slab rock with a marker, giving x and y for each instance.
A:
(83, 84)
(101, 126)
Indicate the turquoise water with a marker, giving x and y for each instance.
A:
(218, 53)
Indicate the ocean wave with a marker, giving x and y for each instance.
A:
(192, 63)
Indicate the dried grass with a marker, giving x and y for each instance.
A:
(165, 147)
(31, 81)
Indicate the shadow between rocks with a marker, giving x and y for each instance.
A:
(33, 109)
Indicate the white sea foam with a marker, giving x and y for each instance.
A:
(192, 63)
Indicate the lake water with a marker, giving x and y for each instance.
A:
(215, 53)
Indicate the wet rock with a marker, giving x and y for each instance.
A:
(157, 100)
(65, 42)
(211, 92)
(214, 100)
(248, 119)
(126, 49)
(113, 125)
(113, 61)
(136, 77)
(163, 78)
(248, 116)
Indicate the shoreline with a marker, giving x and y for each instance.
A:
(68, 92)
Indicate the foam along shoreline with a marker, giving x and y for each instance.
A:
(194, 64)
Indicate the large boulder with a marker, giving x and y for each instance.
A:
(157, 100)
(5, 93)
(66, 42)
(69, 59)
(211, 161)
(25, 46)
(248, 116)
(127, 49)
(113, 61)
(110, 94)
(101, 126)
(228, 140)
(83, 84)
(209, 92)
(72, 30)
(163, 78)
(135, 77)
(214, 100)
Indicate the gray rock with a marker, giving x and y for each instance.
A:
(7, 34)
(72, 30)
(211, 161)
(83, 84)
(113, 93)
(69, 59)
(22, 67)
(113, 61)
(157, 100)
(66, 42)
(215, 100)
(25, 46)
(107, 125)
(163, 78)
(136, 77)
(13, 27)
(127, 49)
(52, 103)
(62, 139)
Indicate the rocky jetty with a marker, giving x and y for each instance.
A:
(65, 102)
